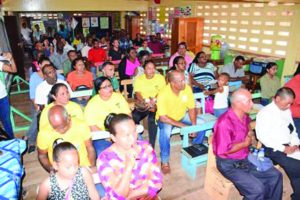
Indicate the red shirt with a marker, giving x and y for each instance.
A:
(96, 55)
(294, 84)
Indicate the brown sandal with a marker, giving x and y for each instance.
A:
(165, 168)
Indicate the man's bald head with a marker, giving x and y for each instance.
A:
(58, 118)
(241, 99)
(173, 74)
(177, 80)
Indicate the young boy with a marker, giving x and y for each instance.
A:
(221, 95)
(108, 70)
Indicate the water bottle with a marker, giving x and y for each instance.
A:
(255, 152)
(261, 154)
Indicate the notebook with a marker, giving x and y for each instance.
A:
(195, 150)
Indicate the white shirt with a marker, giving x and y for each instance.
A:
(43, 89)
(85, 51)
(68, 48)
(272, 127)
(26, 34)
(229, 69)
(221, 99)
(3, 92)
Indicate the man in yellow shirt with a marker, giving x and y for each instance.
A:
(146, 88)
(173, 102)
(65, 128)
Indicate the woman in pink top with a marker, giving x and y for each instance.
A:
(128, 64)
(128, 169)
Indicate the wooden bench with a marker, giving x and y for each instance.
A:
(216, 185)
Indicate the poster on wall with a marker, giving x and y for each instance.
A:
(104, 23)
(85, 22)
(85, 31)
(94, 22)
(183, 11)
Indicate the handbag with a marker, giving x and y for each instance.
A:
(209, 105)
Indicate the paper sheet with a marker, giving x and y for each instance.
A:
(295, 155)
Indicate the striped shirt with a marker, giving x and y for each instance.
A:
(202, 75)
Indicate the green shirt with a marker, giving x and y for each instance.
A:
(67, 67)
(269, 86)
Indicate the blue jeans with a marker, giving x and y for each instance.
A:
(164, 137)
(100, 145)
(5, 117)
(252, 184)
(94, 72)
(33, 129)
(219, 112)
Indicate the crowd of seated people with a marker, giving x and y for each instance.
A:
(167, 102)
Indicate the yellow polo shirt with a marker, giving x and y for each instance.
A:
(172, 105)
(149, 87)
(78, 133)
(73, 109)
(97, 109)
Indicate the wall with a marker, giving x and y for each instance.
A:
(249, 27)
(76, 5)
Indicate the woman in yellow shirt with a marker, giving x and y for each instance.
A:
(146, 88)
(100, 106)
(59, 95)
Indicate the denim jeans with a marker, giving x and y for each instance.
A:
(164, 137)
(252, 184)
(33, 129)
(5, 116)
(94, 72)
(219, 112)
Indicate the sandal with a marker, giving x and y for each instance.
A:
(165, 168)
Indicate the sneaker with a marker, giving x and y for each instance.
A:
(31, 149)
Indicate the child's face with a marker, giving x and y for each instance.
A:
(109, 71)
(273, 70)
(222, 80)
(68, 164)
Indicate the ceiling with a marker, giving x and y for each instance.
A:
(256, 1)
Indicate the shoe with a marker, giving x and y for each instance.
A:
(165, 168)
(31, 149)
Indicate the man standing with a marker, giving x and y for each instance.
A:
(276, 131)
(65, 129)
(231, 141)
(172, 103)
(7, 65)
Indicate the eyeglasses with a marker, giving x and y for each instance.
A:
(106, 86)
